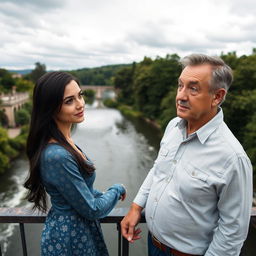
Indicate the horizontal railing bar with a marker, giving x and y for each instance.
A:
(26, 215)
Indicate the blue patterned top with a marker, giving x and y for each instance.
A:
(72, 226)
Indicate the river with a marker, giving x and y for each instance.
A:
(123, 152)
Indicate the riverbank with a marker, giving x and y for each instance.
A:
(13, 142)
(130, 112)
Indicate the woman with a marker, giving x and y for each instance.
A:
(60, 168)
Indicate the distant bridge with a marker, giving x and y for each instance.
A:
(99, 89)
(12, 102)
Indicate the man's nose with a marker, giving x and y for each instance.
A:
(182, 94)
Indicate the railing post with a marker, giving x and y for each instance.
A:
(23, 239)
(125, 247)
(123, 244)
(119, 238)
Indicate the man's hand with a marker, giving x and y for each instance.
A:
(129, 222)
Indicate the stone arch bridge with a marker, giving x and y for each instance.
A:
(12, 102)
(99, 89)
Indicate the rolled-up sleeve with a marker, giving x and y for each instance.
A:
(142, 195)
(234, 206)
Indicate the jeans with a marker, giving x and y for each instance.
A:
(154, 251)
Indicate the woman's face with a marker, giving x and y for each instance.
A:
(72, 108)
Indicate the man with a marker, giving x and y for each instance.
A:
(198, 195)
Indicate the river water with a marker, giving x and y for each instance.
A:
(123, 151)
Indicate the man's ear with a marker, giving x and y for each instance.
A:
(218, 96)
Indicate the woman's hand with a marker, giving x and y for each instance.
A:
(123, 196)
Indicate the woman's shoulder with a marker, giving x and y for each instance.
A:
(55, 151)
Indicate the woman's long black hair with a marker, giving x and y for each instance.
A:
(47, 100)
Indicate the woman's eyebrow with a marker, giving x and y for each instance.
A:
(68, 97)
(72, 96)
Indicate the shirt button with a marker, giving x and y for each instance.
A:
(174, 161)
(156, 200)
(151, 217)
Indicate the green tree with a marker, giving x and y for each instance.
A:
(89, 96)
(249, 141)
(6, 81)
(3, 118)
(6, 151)
(22, 117)
(123, 82)
(152, 82)
(168, 108)
(37, 72)
(23, 85)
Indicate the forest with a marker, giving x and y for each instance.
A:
(149, 87)
(11, 148)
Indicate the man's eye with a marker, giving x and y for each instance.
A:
(180, 86)
(194, 89)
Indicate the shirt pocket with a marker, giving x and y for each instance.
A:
(193, 184)
(162, 163)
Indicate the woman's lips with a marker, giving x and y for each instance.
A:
(80, 114)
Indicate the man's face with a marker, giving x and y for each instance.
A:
(194, 102)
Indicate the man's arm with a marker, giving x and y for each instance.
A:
(235, 202)
(130, 221)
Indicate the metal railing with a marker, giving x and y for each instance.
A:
(25, 215)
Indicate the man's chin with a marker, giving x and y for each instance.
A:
(181, 114)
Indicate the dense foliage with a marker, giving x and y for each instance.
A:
(10, 148)
(97, 76)
(37, 72)
(150, 88)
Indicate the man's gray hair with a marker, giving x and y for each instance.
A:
(222, 75)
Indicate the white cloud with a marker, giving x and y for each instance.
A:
(84, 33)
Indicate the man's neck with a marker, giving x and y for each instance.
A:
(193, 126)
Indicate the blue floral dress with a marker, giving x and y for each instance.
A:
(72, 226)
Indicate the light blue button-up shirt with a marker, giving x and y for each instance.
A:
(198, 195)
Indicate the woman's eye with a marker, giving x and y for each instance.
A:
(69, 101)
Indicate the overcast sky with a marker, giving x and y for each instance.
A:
(72, 34)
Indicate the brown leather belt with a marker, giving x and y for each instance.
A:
(165, 248)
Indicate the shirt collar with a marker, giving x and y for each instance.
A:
(206, 130)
